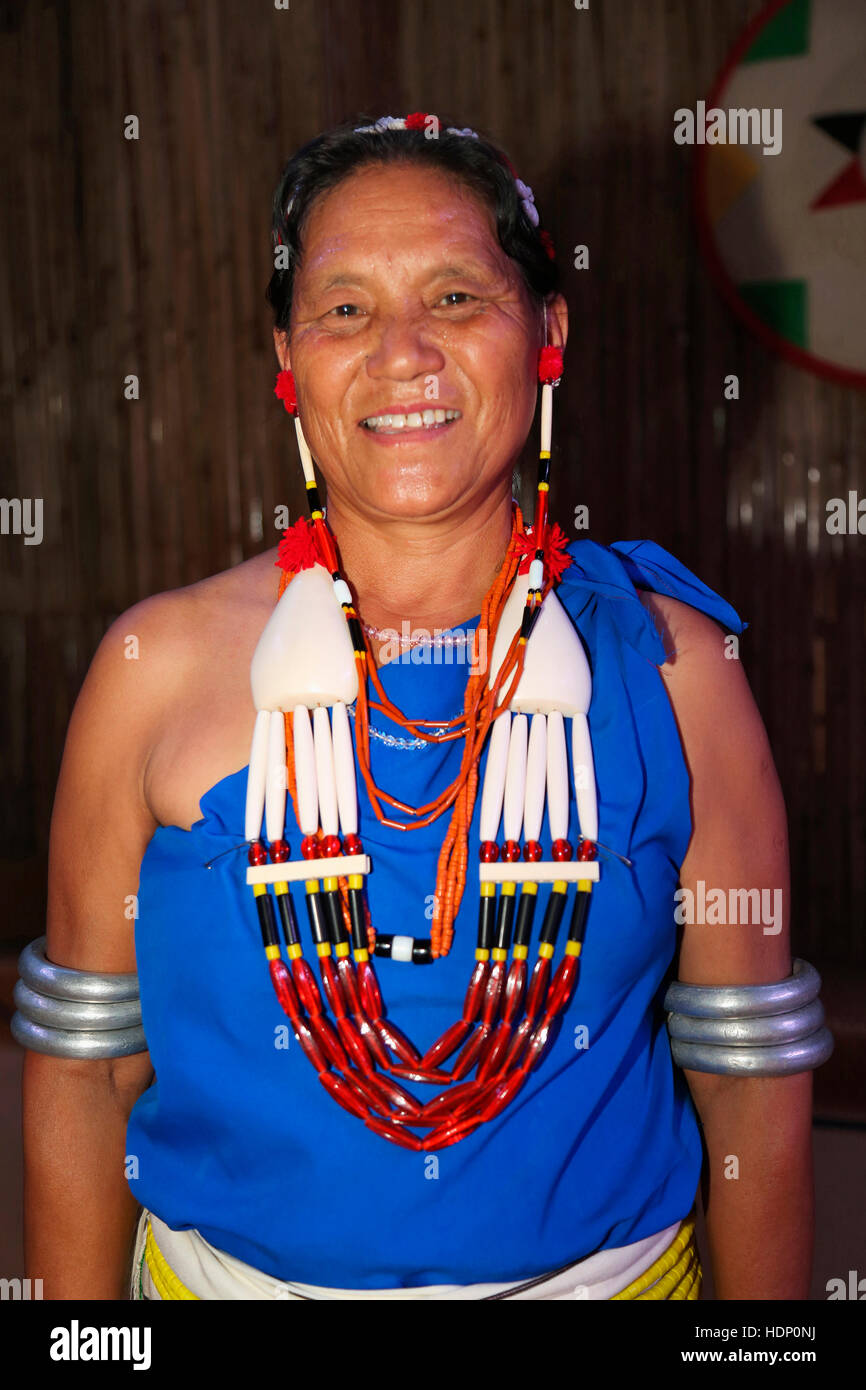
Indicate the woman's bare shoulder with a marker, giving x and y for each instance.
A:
(682, 628)
(161, 666)
(176, 622)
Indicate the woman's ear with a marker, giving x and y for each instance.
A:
(281, 343)
(557, 321)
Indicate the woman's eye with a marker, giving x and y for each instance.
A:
(344, 311)
(454, 296)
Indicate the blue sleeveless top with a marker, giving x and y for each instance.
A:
(238, 1139)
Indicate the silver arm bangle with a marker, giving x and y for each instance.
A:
(63, 1042)
(745, 1001)
(69, 1013)
(782, 1060)
(745, 1032)
(750, 1030)
(58, 981)
(75, 1013)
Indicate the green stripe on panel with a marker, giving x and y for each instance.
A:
(786, 36)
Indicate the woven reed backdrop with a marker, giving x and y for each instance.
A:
(151, 256)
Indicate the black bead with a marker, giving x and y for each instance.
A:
(267, 920)
(505, 921)
(318, 920)
(291, 935)
(552, 917)
(525, 916)
(486, 912)
(356, 912)
(578, 917)
(337, 933)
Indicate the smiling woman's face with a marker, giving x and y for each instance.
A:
(405, 302)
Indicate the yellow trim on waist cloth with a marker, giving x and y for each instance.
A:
(676, 1274)
(165, 1281)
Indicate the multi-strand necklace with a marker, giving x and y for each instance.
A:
(305, 664)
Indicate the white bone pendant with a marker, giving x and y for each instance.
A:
(584, 778)
(304, 655)
(515, 779)
(556, 672)
(494, 777)
(257, 776)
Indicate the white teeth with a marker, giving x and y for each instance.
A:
(415, 420)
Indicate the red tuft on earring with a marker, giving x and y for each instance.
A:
(299, 549)
(285, 389)
(547, 243)
(550, 366)
(417, 120)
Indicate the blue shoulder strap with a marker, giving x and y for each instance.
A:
(615, 572)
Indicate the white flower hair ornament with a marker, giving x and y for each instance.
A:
(418, 120)
(527, 201)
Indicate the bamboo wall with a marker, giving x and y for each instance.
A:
(151, 257)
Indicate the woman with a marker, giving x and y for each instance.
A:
(412, 276)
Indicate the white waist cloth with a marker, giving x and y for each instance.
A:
(212, 1274)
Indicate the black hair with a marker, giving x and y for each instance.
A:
(478, 163)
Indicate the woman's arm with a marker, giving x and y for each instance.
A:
(79, 1211)
(758, 1185)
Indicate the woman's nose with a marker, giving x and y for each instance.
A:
(404, 349)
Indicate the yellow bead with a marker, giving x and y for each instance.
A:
(546, 950)
(323, 948)
(560, 886)
(280, 889)
(521, 952)
(488, 889)
(481, 955)
(356, 880)
(259, 889)
(272, 952)
(341, 949)
(363, 954)
(530, 887)
(312, 885)
(330, 885)
(294, 952)
(499, 954)
(572, 948)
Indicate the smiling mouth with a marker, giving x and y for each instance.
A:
(414, 420)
